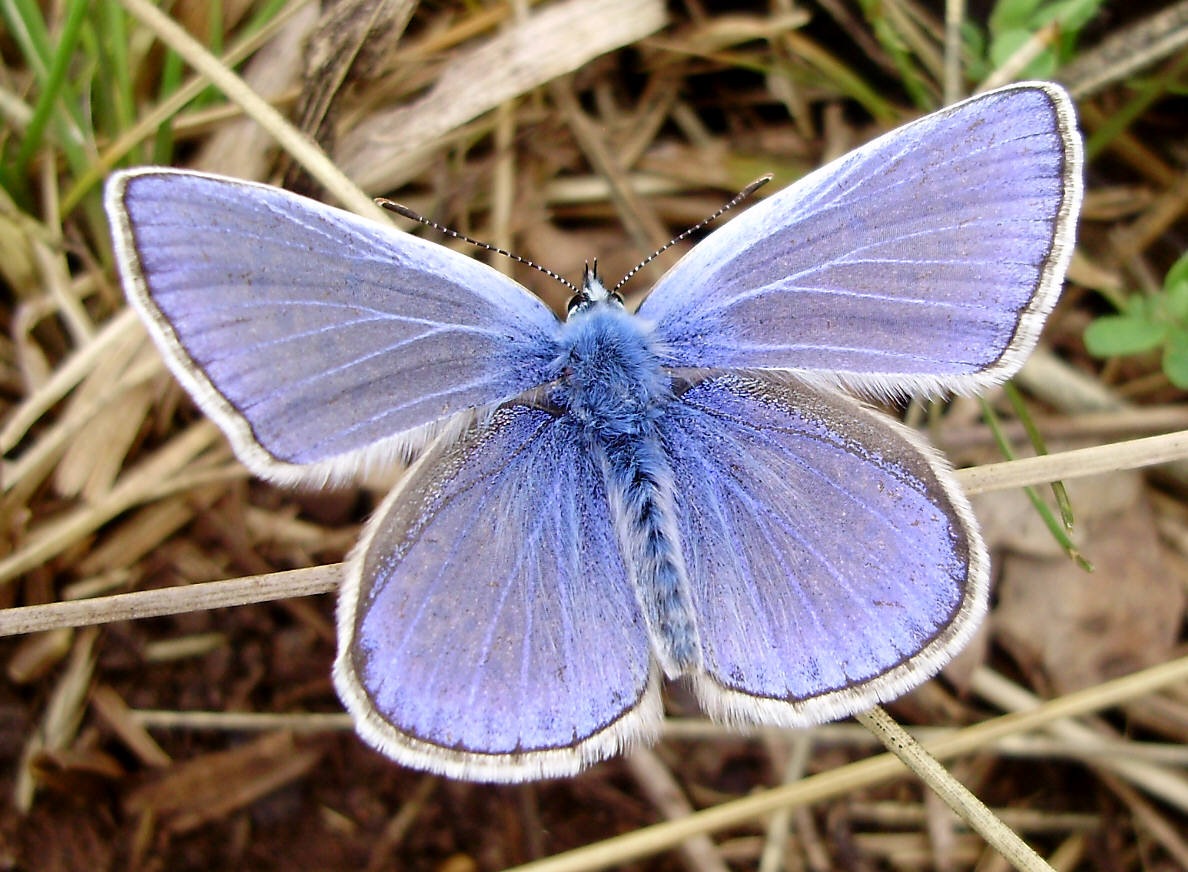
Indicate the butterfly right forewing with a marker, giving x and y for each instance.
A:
(317, 340)
(924, 261)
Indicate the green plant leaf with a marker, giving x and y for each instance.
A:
(1176, 297)
(1115, 335)
(1175, 289)
(1072, 14)
(1007, 43)
(1175, 358)
(1178, 274)
(1147, 307)
(1012, 15)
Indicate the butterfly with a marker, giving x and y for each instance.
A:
(687, 491)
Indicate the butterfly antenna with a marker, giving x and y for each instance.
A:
(742, 195)
(403, 210)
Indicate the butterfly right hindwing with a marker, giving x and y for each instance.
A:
(487, 627)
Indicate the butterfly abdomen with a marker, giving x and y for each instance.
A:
(613, 386)
(639, 484)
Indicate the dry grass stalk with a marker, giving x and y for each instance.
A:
(381, 151)
(112, 709)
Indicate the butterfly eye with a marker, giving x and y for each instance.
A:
(574, 302)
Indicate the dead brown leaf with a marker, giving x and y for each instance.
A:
(1072, 629)
(212, 786)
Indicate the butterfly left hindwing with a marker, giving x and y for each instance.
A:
(833, 561)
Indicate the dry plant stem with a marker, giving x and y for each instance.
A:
(132, 489)
(646, 230)
(944, 837)
(53, 537)
(55, 276)
(845, 735)
(955, 795)
(293, 141)
(835, 735)
(246, 722)
(165, 601)
(503, 184)
(114, 712)
(922, 44)
(400, 823)
(382, 149)
(1087, 426)
(1132, 454)
(1009, 70)
(1160, 781)
(992, 861)
(1068, 855)
(65, 377)
(779, 825)
(1126, 51)
(22, 476)
(890, 814)
(1148, 818)
(63, 714)
(1067, 389)
(954, 18)
(856, 776)
(662, 790)
(15, 111)
(1156, 220)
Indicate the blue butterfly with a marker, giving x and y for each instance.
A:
(596, 503)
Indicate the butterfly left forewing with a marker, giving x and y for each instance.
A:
(486, 628)
(832, 559)
(924, 261)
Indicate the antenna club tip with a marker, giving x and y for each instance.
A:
(398, 208)
(758, 183)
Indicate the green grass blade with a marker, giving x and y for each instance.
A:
(1059, 533)
(1059, 491)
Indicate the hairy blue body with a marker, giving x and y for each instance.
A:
(612, 385)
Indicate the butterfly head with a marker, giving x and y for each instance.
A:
(592, 293)
(607, 373)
